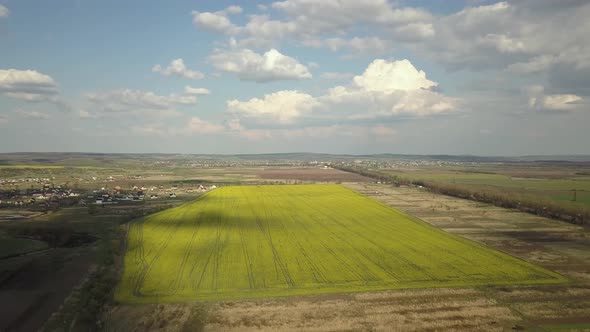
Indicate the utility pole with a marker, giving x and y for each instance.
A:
(575, 194)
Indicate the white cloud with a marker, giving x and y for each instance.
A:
(4, 12)
(178, 68)
(311, 19)
(313, 16)
(538, 100)
(283, 107)
(251, 66)
(385, 89)
(197, 125)
(28, 85)
(33, 115)
(388, 76)
(217, 22)
(389, 88)
(196, 91)
(501, 43)
(561, 102)
(132, 100)
(522, 36)
(233, 10)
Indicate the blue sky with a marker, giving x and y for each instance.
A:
(431, 77)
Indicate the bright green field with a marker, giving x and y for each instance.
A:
(261, 241)
(553, 189)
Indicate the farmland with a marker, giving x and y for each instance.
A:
(553, 183)
(266, 241)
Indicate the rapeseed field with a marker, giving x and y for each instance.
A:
(263, 241)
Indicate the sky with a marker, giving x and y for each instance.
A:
(328, 76)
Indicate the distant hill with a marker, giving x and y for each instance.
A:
(121, 159)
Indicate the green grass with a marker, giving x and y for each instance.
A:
(14, 246)
(262, 241)
(559, 190)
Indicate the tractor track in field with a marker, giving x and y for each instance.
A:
(339, 258)
(316, 271)
(276, 257)
(176, 283)
(218, 248)
(213, 248)
(146, 269)
(248, 261)
(383, 267)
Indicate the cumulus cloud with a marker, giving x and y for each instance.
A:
(4, 12)
(196, 91)
(310, 19)
(251, 66)
(384, 89)
(538, 100)
(283, 107)
(233, 10)
(217, 22)
(132, 100)
(178, 68)
(523, 36)
(389, 88)
(386, 76)
(28, 85)
(313, 16)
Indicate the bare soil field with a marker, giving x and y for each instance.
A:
(311, 174)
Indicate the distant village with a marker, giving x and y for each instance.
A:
(43, 193)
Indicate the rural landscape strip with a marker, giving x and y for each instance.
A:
(523, 202)
(254, 241)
